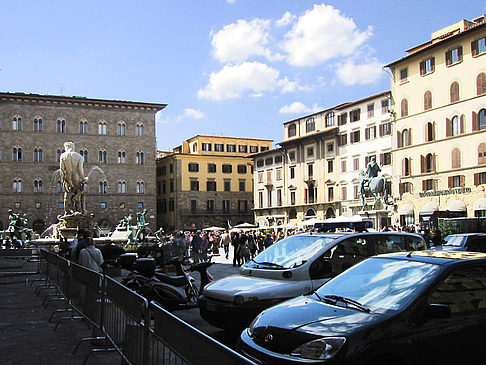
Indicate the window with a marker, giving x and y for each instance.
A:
(121, 129)
(230, 148)
(278, 174)
(210, 206)
(171, 205)
(454, 56)
(140, 158)
(242, 169)
(194, 185)
(310, 171)
(171, 185)
(428, 100)
(102, 127)
(386, 158)
(330, 119)
(454, 126)
(242, 185)
(455, 181)
(343, 140)
(194, 147)
(403, 75)
(253, 149)
(292, 156)
(164, 187)
(102, 156)
(330, 193)
(260, 163)
(405, 187)
(330, 166)
(456, 158)
(385, 129)
(406, 167)
(384, 106)
(38, 154)
(102, 187)
(342, 118)
(355, 192)
(226, 206)
(430, 132)
(17, 154)
(103, 205)
(480, 178)
(404, 108)
(227, 169)
(292, 130)
(356, 164)
(354, 137)
(140, 187)
(344, 193)
(206, 146)
(140, 130)
(370, 132)
(482, 154)
(478, 46)
(371, 110)
(330, 147)
(193, 167)
(454, 92)
(354, 115)
(211, 168)
(293, 212)
(428, 184)
(38, 186)
(211, 185)
(343, 166)
(427, 66)
(243, 148)
(481, 83)
(292, 172)
(83, 127)
(269, 198)
(122, 157)
(17, 123)
(310, 152)
(278, 159)
(219, 147)
(17, 185)
(279, 197)
(310, 125)
(122, 187)
(404, 138)
(428, 163)
(242, 206)
(38, 125)
(227, 185)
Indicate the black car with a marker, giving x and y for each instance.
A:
(426, 307)
(464, 242)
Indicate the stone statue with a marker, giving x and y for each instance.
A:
(372, 185)
(73, 180)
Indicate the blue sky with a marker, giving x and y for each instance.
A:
(223, 67)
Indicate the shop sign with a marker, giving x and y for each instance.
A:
(445, 192)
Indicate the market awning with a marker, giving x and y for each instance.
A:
(405, 209)
(480, 204)
(457, 206)
(429, 208)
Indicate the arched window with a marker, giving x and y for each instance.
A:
(102, 127)
(428, 100)
(481, 83)
(17, 185)
(17, 153)
(404, 108)
(102, 156)
(17, 123)
(140, 130)
(38, 157)
(121, 129)
(454, 92)
(310, 125)
(83, 126)
(456, 126)
(140, 187)
(292, 130)
(482, 119)
(38, 188)
(482, 154)
(61, 126)
(103, 187)
(122, 187)
(122, 156)
(84, 152)
(140, 158)
(456, 158)
(406, 138)
(429, 132)
(429, 163)
(406, 167)
(38, 125)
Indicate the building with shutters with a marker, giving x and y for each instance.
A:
(439, 143)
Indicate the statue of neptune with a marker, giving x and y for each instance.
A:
(73, 180)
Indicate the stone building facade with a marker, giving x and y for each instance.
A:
(116, 139)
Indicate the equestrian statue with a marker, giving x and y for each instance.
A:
(372, 185)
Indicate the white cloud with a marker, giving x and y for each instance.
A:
(231, 1)
(286, 19)
(193, 113)
(298, 108)
(366, 73)
(321, 34)
(252, 78)
(189, 113)
(238, 41)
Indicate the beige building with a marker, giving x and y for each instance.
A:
(116, 139)
(439, 144)
(206, 181)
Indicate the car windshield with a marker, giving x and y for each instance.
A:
(454, 241)
(381, 284)
(291, 252)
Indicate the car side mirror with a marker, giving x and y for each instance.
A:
(438, 311)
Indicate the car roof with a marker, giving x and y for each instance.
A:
(437, 257)
(341, 234)
(467, 234)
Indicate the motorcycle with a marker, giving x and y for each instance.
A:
(172, 292)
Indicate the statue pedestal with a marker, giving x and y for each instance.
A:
(70, 224)
(381, 218)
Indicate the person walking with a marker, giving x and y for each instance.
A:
(235, 241)
(91, 257)
(268, 241)
(226, 240)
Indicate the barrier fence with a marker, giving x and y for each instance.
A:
(121, 320)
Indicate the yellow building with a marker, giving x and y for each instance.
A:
(439, 144)
(206, 181)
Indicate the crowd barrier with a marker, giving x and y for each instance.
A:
(121, 320)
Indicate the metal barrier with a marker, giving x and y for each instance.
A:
(123, 321)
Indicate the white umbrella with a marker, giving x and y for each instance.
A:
(246, 225)
(214, 229)
(310, 222)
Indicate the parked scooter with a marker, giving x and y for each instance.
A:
(172, 292)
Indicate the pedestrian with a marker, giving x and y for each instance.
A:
(91, 257)
(235, 241)
(82, 240)
(226, 240)
(268, 241)
(196, 246)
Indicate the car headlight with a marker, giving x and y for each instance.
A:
(321, 349)
(239, 300)
(251, 327)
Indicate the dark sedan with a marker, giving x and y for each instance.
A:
(425, 307)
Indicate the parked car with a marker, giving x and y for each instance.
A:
(464, 242)
(291, 267)
(426, 307)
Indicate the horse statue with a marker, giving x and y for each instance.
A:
(374, 187)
